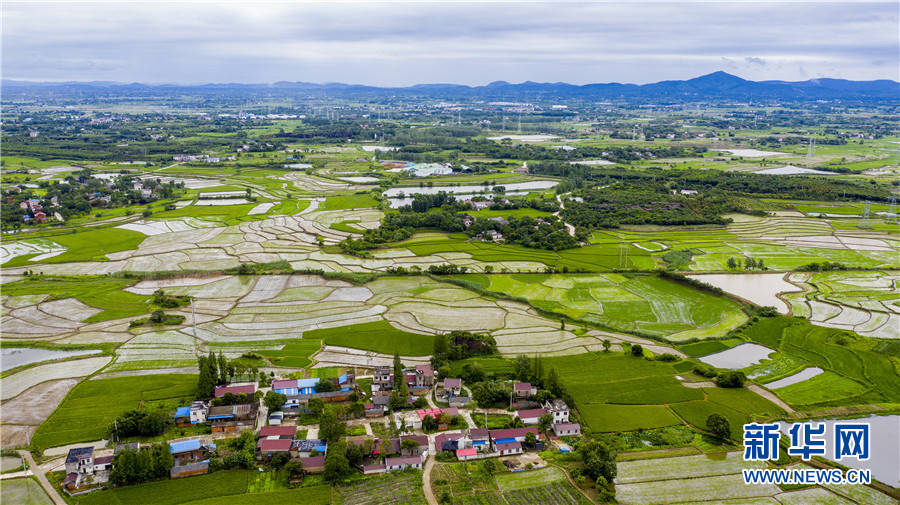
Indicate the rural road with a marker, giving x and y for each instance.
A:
(426, 475)
(561, 206)
(768, 395)
(54, 495)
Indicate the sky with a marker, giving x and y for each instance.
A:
(461, 42)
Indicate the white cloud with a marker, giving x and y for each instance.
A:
(404, 43)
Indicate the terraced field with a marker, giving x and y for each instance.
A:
(865, 302)
(645, 304)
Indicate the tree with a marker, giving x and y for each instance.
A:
(732, 263)
(399, 377)
(279, 460)
(543, 396)
(731, 379)
(637, 350)
(606, 344)
(472, 372)
(354, 454)
(330, 428)
(274, 401)
(410, 446)
(293, 468)
(530, 439)
(158, 316)
(552, 384)
(545, 421)
(385, 448)
(718, 425)
(429, 423)
(337, 466)
(315, 406)
(325, 386)
(223, 368)
(439, 352)
(537, 371)
(522, 367)
(598, 460)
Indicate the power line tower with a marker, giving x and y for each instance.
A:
(892, 211)
(865, 221)
(623, 254)
(520, 123)
(811, 150)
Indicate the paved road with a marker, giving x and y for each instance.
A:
(54, 494)
(426, 473)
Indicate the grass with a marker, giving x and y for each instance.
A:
(379, 336)
(709, 347)
(518, 480)
(358, 201)
(823, 388)
(102, 292)
(213, 486)
(93, 404)
(494, 421)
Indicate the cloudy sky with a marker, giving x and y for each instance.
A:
(404, 43)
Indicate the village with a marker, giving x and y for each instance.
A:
(379, 440)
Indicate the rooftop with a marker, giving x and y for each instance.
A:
(79, 453)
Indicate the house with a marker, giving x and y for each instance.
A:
(517, 434)
(313, 464)
(479, 435)
(268, 447)
(453, 387)
(281, 432)
(190, 450)
(567, 429)
(248, 390)
(688, 191)
(103, 464)
(183, 416)
(232, 417)
(402, 463)
(291, 387)
(80, 460)
(424, 376)
(521, 170)
(382, 379)
(304, 448)
(450, 442)
(530, 416)
(480, 205)
(375, 411)
(198, 411)
(508, 448)
(559, 409)
(499, 220)
(524, 390)
(189, 469)
(466, 454)
(459, 401)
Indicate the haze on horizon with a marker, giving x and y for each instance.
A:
(401, 44)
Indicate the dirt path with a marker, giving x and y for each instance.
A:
(561, 206)
(54, 495)
(426, 478)
(698, 385)
(768, 395)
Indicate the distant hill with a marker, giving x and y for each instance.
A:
(717, 85)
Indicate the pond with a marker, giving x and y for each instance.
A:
(9, 462)
(18, 356)
(738, 357)
(792, 170)
(806, 373)
(758, 288)
(525, 138)
(751, 153)
(359, 179)
(884, 434)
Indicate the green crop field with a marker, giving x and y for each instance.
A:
(646, 304)
(94, 244)
(349, 202)
(379, 336)
(868, 376)
(23, 491)
(173, 492)
(91, 405)
(705, 348)
(294, 354)
(102, 292)
(310, 495)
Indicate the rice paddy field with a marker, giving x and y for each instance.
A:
(717, 478)
(646, 304)
(866, 302)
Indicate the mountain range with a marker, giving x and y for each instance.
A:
(714, 85)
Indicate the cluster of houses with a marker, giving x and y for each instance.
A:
(205, 158)
(34, 208)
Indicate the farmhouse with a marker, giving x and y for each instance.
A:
(382, 379)
(524, 390)
(530, 416)
(453, 386)
(190, 450)
(304, 448)
(567, 429)
(517, 434)
(402, 463)
(248, 390)
(268, 447)
(83, 469)
(287, 432)
(450, 441)
(559, 409)
(507, 448)
(424, 376)
(313, 464)
(189, 469)
(232, 417)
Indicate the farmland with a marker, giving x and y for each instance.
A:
(91, 405)
(404, 487)
(470, 484)
(23, 491)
